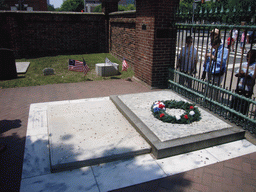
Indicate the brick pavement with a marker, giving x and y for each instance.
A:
(233, 175)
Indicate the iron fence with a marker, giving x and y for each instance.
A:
(217, 14)
(221, 97)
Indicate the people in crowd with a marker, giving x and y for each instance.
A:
(215, 33)
(234, 33)
(232, 39)
(243, 41)
(246, 81)
(229, 43)
(215, 61)
(187, 61)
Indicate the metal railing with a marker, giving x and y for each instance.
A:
(219, 98)
(217, 14)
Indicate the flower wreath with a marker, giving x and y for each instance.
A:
(190, 115)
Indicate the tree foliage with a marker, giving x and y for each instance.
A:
(98, 9)
(3, 6)
(50, 8)
(126, 7)
(72, 5)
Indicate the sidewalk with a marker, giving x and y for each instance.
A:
(236, 174)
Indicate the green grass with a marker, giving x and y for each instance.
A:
(35, 76)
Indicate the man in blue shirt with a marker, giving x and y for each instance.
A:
(215, 65)
(187, 61)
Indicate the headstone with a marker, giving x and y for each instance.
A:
(13, 8)
(48, 71)
(106, 69)
(22, 67)
(29, 8)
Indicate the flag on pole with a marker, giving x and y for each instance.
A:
(124, 65)
(107, 61)
(85, 68)
(78, 66)
(75, 65)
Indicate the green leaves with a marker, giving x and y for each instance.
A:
(72, 5)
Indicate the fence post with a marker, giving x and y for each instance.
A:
(155, 40)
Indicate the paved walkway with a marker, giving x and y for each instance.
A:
(236, 174)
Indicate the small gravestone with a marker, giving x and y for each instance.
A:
(106, 69)
(22, 67)
(48, 71)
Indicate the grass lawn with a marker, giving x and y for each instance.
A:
(35, 76)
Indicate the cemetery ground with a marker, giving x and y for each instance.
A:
(35, 76)
(233, 168)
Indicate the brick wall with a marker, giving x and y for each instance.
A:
(145, 30)
(165, 40)
(155, 40)
(37, 34)
(122, 36)
(145, 38)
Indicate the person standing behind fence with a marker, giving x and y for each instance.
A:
(215, 65)
(246, 82)
(187, 61)
(243, 41)
(231, 40)
(234, 38)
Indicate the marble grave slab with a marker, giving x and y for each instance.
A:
(169, 139)
(36, 175)
(90, 132)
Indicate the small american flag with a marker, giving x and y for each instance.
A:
(78, 66)
(124, 65)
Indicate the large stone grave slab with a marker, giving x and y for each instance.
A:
(169, 139)
(88, 132)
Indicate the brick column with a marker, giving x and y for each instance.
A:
(155, 40)
(108, 6)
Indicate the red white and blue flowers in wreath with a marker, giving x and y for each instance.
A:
(190, 115)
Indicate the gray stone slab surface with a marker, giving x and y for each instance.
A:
(22, 67)
(106, 69)
(90, 132)
(168, 139)
(141, 104)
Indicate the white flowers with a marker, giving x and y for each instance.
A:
(191, 113)
(177, 117)
(158, 105)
